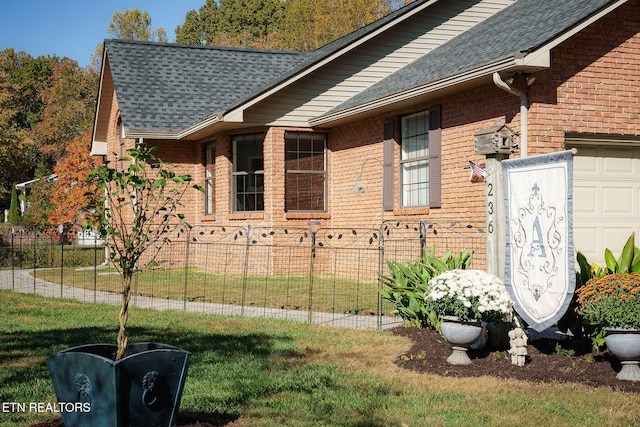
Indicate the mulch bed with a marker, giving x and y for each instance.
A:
(545, 363)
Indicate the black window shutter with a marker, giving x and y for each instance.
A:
(388, 159)
(435, 160)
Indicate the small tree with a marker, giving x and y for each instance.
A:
(14, 209)
(72, 193)
(136, 214)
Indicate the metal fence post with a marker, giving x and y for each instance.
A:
(423, 238)
(35, 247)
(61, 263)
(186, 269)
(95, 269)
(20, 248)
(380, 272)
(13, 267)
(245, 273)
(314, 226)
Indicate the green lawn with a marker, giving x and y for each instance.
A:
(328, 293)
(261, 372)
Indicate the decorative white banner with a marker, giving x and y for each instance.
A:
(539, 267)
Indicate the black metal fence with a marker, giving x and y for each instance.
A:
(320, 275)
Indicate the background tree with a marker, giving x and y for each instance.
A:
(39, 198)
(27, 77)
(21, 80)
(133, 24)
(14, 208)
(239, 23)
(199, 27)
(302, 25)
(69, 105)
(310, 24)
(250, 23)
(44, 103)
(72, 193)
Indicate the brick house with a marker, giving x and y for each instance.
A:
(281, 138)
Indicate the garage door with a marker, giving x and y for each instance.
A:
(606, 191)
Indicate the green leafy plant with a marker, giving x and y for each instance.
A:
(627, 262)
(406, 285)
(611, 301)
(597, 339)
(137, 212)
(468, 295)
(561, 351)
(571, 321)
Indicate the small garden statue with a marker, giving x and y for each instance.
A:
(518, 346)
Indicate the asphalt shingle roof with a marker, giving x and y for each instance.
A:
(521, 27)
(170, 86)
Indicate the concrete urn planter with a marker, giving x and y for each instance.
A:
(461, 334)
(624, 344)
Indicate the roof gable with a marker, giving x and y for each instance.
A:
(507, 36)
(314, 89)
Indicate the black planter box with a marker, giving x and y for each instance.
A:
(143, 388)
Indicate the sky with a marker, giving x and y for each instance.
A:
(73, 28)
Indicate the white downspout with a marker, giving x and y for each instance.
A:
(524, 112)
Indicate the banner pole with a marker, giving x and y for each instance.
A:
(495, 215)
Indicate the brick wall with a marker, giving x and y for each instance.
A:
(591, 87)
(593, 84)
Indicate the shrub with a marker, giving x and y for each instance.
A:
(406, 285)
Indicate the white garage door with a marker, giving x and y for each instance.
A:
(606, 190)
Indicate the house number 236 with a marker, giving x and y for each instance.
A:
(490, 209)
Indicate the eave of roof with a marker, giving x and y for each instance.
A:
(531, 59)
(436, 87)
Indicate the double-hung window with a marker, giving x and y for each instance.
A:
(248, 172)
(209, 173)
(414, 160)
(420, 159)
(305, 171)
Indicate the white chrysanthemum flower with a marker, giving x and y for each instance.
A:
(473, 293)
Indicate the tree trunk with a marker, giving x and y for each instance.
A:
(124, 314)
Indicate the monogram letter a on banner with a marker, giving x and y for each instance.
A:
(539, 270)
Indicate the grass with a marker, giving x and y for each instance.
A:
(329, 293)
(265, 372)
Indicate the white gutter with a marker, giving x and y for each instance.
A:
(524, 112)
(172, 133)
(98, 148)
